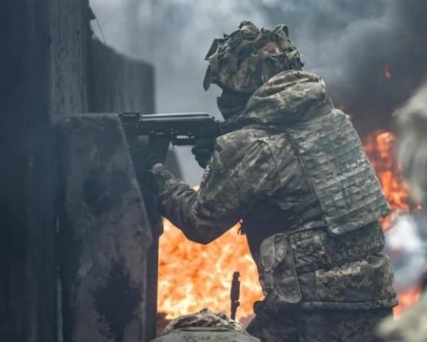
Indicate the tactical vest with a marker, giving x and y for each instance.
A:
(347, 197)
(337, 169)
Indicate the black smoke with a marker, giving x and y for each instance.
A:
(350, 43)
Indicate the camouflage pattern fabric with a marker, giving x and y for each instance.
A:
(204, 319)
(243, 60)
(412, 146)
(255, 177)
(411, 327)
(320, 326)
(412, 128)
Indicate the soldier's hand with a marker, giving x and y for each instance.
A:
(143, 158)
(203, 151)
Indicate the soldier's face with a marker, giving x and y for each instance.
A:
(267, 52)
(271, 48)
(247, 78)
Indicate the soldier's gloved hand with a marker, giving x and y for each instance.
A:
(143, 160)
(203, 151)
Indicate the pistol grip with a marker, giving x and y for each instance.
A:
(160, 145)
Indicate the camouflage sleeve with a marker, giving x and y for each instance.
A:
(238, 176)
(412, 143)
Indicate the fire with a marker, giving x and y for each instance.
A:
(192, 276)
(406, 300)
(380, 149)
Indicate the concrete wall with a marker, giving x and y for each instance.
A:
(27, 263)
(45, 59)
(70, 37)
(119, 84)
(104, 235)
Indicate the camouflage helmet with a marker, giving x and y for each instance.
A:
(237, 61)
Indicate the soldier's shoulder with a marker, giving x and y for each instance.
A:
(241, 138)
(237, 145)
(291, 77)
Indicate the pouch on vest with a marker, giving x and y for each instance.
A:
(334, 162)
(278, 276)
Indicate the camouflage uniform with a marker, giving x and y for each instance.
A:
(412, 126)
(319, 326)
(411, 327)
(292, 169)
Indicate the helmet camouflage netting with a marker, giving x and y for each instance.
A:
(236, 62)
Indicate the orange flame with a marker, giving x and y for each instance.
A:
(193, 276)
(380, 149)
(406, 300)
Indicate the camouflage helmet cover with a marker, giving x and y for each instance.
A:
(236, 62)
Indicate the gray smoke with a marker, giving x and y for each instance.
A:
(349, 43)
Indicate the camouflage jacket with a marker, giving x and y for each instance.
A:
(312, 246)
(410, 327)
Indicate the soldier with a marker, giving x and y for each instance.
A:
(291, 168)
(412, 128)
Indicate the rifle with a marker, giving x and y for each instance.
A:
(235, 294)
(162, 129)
